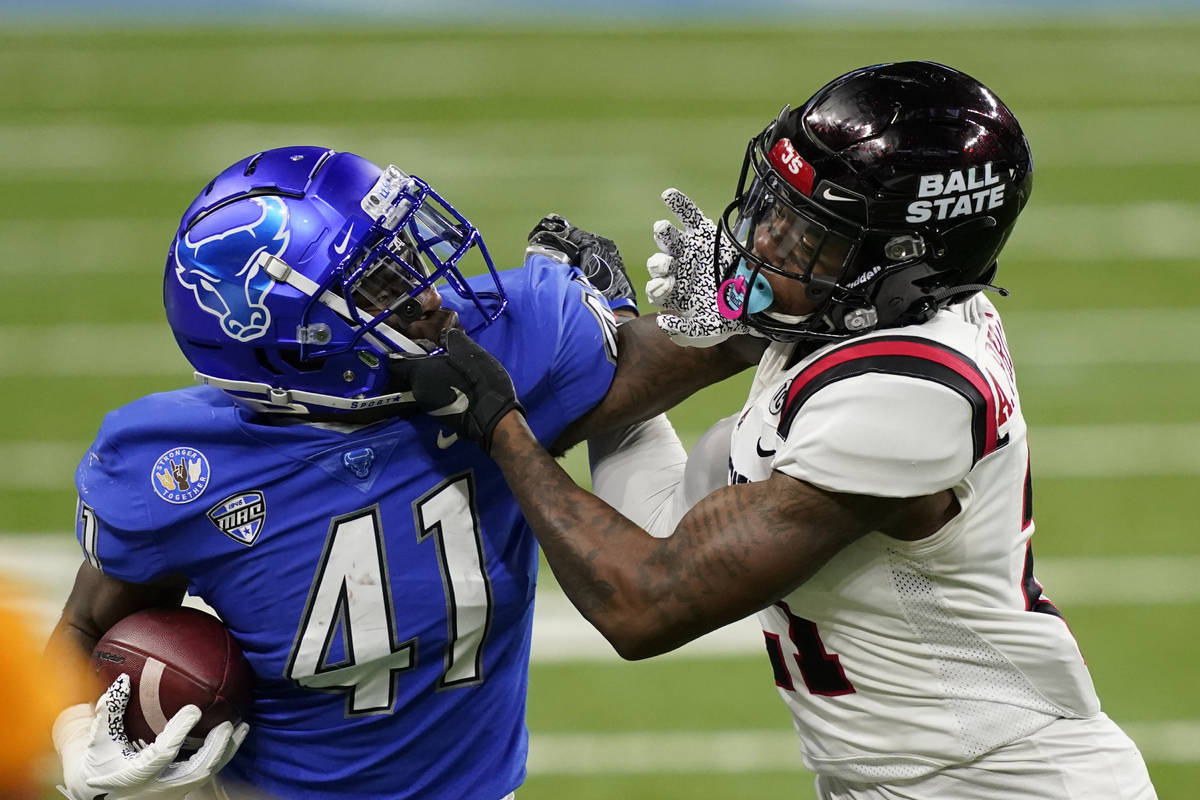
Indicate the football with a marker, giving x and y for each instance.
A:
(175, 657)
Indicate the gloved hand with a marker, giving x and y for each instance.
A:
(596, 256)
(465, 386)
(683, 280)
(99, 761)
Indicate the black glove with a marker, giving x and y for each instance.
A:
(597, 256)
(465, 386)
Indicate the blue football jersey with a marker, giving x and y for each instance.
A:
(380, 581)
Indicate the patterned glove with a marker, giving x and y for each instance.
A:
(683, 281)
(99, 761)
(596, 256)
(464, 386)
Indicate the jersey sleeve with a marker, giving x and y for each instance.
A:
(114, 525)
(640, 471)
(707, 463)
(880, 434)
(583, 332)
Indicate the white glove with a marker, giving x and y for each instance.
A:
(99, 761)
(682, 280)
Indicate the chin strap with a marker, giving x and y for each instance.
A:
(269, 399)
(264, 397)
(899, 298)
(952, 292)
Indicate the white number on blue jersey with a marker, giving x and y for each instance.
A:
(448, 514)
(351, 593)
(88, 530)
(596, 304)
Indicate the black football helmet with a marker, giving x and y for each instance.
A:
(887, 195)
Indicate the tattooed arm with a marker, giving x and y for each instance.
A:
(737, 551)
(654, 374)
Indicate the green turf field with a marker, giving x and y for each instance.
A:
(105, 138)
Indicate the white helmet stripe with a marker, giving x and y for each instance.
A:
(297, 401)
(280, 271)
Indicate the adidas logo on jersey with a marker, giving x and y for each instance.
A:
(959, 192)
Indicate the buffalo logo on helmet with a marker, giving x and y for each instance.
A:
(236, 296)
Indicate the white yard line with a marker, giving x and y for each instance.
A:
(775, 750)
(1060, 340)
(561, 634)
(113, 350)
(1059, 451)
(1057, 338)
(28, 254)
(1070, 339)
(1138, 232)
(1109, 451)
(46, 563)
(84, 148)
(656, 752)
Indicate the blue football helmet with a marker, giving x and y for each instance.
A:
(293, 276)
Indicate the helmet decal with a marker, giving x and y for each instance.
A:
(794, 169)
(237, 304)
(957, 193)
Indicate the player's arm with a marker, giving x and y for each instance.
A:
(654, 374)
(97, 602)
(98, 759)
(737, 551)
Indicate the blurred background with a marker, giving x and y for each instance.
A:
(114, 115)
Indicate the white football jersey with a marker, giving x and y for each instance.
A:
(898, 658)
